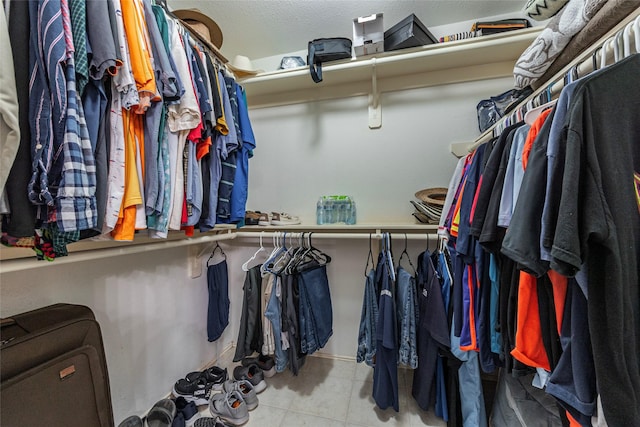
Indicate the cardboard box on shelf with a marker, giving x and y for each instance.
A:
(368, 35)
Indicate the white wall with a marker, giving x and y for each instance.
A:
(308, 150)
(153, 314)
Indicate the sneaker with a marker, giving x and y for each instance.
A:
(253, 374)
(230, 407)
(198, 391)
(266, 363)
(251, 217)
(187, 410)
(246, 390)
(264, 220)
(214, 375)
(284, 219)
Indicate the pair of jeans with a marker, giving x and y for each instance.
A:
(368, 320)
(406, 312)
(315, 310)
(273, 312)
(218, 310)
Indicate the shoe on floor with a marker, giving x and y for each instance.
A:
(132, 421)
(210, 422)
(246, 390)
(253, 374)
(213, 375)
(161, 414)
(230, 407)
(266, 363)
(187, 410)
(198, 391)
(284, 219)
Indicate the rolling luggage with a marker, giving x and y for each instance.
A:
(53, 370)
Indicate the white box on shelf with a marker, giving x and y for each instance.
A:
(368, 35)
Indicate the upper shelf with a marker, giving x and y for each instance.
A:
(452, 62)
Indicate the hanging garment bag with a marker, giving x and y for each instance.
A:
(53, 369)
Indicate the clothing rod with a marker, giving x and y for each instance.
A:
(12, 265)
(583, 64)
(336, 236)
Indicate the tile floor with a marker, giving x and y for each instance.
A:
(332, 393)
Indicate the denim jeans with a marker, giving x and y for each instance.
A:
(273, 313)
(368, 321)
(316, 313)
(406, 312)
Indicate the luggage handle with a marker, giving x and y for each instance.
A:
(7, 321)
(316, 72)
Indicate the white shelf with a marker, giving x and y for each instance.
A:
(343, 228)
(452, 62)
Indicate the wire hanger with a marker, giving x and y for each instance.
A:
(369, 258)
(405, 253)
(217, 246)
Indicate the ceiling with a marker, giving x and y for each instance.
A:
(263, 28)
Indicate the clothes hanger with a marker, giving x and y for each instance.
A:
(216, 247)
(245, 266)
(274, 253)
(405, 253)
(369, 257)
(392, 270)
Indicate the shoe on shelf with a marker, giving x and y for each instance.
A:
(214, 375)
(251, 217)
(210, 422)
(264, 220)
(284, 219)
(266, 363)
(246, 390)
(253, 374)
(198, 391)
(230, 407)
(161, 414)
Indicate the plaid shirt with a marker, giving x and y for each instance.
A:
(75, 202)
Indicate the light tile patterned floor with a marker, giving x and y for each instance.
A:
(332, 393)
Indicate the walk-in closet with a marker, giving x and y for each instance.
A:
(379, 206)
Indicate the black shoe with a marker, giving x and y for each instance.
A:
(266, 363)
(213, 375)
(198, 391)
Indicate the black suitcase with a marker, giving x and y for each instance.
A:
(53, 370)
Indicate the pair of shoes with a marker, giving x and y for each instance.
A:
(246, 390)
(278, 218)
(210, 422)
(161, 414)
(198, 386)
(132, 421)
(266, 363)
(284, 219)
(251, 217)
(231, 407)
(253, 374)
